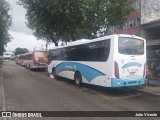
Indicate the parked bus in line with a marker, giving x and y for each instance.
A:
(7, 56)
(111, 61)
(36, 60)
(17, 59)
(21, 60)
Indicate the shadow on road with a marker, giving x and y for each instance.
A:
(38, 70)
(93, 89)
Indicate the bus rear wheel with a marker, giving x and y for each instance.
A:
(54, 73)
(78, 79)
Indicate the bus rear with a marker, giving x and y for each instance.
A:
(40, 59)
(129, 61)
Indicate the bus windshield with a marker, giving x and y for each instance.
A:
(40, 54)
(130, 46)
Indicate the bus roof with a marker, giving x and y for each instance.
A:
(83, 41)
(78, 41)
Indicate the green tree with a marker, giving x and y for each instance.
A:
(20, 51)
(66, 20)
(5, 23)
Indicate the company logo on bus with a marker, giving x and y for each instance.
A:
(132, 70)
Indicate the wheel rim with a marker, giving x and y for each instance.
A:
(53, 73)
(78, 79)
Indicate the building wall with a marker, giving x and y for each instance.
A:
(150, 30)
(150, 16)
(150, 10)
(146, 12)
(132, 25)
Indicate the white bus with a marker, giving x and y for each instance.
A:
(36, 60)
(110, 61)
(7, 56)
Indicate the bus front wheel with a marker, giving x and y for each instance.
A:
(78, 79)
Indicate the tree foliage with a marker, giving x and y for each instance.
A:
(5, 23)
(66, 20)
(20, 51)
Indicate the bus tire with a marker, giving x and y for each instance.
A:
(78, 79)
(54, 73)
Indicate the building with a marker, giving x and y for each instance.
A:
(150, 30)
(144, 22)
(132, 25)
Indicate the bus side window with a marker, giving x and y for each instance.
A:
(98, 51)
(94, 51)
(105, 50)
(65, 56)
(82, 53)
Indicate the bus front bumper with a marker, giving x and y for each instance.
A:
(40, 66)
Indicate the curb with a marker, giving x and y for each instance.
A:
(2, 95)
(1, 90)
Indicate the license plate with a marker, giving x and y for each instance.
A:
(132, 70)
(132, 74)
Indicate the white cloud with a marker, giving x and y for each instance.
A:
(25, 41)
(18, 18)
(22, 36)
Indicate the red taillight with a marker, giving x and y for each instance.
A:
(116, 69)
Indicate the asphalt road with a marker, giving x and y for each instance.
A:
(26, 90)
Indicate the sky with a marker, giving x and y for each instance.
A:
(22, 36)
